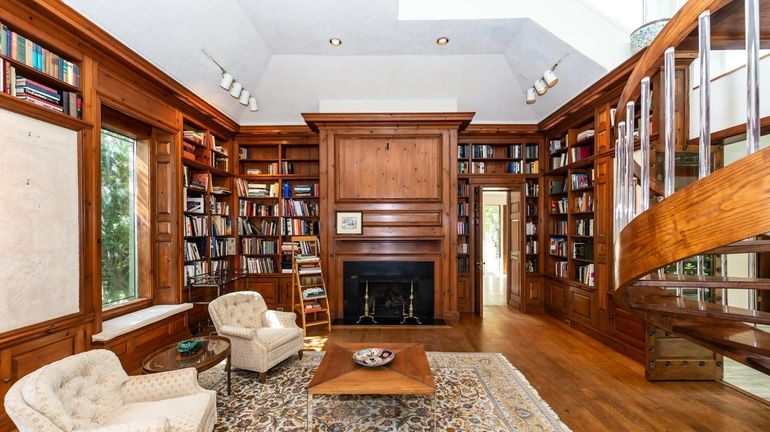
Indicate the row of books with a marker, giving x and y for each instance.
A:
(194, 205)
(462, 228)
(219, 266)
(463, 264)
(583, 250)
(263, 228)
(531, 208)
(307, 248)
(199, 181)
(198, 268)
(584, 202)
(263, 168)
(313, 292)
(581, 180)
(559, 206)
(301, 190)
(258, 246)
(221, 247)
(313, 307)
(14, 84)
(298, 227)
(584, 227)
(255, 209)
(585, 135)
(489, 151)
(292, 207)
(258, 265)
(558, 161)
(556, 146)
(521, 167)
(463, 209)
(217, 207)
(530, 265)
(579, 153)
(196, 137)
(463, 189)
(558, 186)
(221, 226)
(559, 227)
(532, 190)
(462, 248)
(196, 226)
(191, 251)
(256, 190)
(32, 54)
(558, 247)
(530, 247)
(585, 274)
(530, 228)
(560, 269)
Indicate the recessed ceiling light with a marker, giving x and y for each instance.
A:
(335, 41)
(443, 40)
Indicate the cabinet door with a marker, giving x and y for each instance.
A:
(582, 307)
(286, 295)
(533, 296)
(268, 287)
(556, 296)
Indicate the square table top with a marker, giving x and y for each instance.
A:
(408, 373)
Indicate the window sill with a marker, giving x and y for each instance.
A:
(135, 320)
(111, 312)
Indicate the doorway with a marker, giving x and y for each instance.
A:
(497, 245)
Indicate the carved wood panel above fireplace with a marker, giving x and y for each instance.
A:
(399, 171)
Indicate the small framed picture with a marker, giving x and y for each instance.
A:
(350, 223)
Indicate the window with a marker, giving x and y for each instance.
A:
(119, 218)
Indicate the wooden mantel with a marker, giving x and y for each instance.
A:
(400, 171)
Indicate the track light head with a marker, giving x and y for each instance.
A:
(235, 90)
(253, 104)
(244, 98)
(550, 78)
(541, 87)
(227, 81)
(531, 96)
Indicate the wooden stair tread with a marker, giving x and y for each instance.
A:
(695, 281)
(737, 335)
(745, 246)
(666, 303)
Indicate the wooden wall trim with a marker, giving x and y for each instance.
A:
(275, 130)
(379, 120)
(103, 42)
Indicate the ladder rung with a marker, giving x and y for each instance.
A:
(315, 323)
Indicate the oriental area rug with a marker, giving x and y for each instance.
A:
(474, 392)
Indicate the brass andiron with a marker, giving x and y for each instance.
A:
(366, 307)
(411, 316)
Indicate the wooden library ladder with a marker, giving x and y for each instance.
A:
(312, 301)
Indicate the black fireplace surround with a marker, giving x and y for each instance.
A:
(390, 285)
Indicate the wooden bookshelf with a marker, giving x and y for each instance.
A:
(33, 74)
(495, 158)
(289, 169)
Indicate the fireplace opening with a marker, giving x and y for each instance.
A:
(388, 292)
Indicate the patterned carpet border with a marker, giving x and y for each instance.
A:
(474, 392)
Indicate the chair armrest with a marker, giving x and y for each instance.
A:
(156, 424)
(272, 318)
(237, 332)
(159, 386)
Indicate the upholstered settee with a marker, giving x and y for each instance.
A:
(260, 338)
(91, 391)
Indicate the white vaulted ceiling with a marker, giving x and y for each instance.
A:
(279, 50)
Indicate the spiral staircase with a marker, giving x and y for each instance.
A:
(721, 214)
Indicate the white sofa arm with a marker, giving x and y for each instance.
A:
(237, 332)
(157, 424)
(273, 318)
(159, 386)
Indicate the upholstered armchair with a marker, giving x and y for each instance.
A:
(90, 391)
(260, 338)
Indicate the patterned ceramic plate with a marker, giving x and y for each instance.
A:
(373, 357)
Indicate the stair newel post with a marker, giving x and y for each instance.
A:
(752, 106)
(630, 181)
(644, 139)
(704, 146)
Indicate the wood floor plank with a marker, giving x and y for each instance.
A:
(590, 386)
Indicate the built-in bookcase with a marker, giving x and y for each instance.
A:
(570, 205)
(464, 246)
(498, 158)
(278, 197)
(209, 226)
(532, 246)
(32, 73)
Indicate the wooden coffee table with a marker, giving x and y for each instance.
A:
(408, 374)
(213, 350)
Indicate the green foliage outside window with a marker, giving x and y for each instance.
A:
(118, 218)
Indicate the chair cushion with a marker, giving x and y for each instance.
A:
(273, 338)
(77, 392)
(186, 413)
(239, 309)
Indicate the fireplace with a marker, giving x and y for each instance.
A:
(388, 292)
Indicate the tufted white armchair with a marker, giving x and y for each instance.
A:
(90, 391)
(260, 338)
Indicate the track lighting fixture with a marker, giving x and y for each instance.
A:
(550, 78)
(541, 87)
(531, 96)
(234, 87)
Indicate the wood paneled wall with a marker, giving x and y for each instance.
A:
(400, 171)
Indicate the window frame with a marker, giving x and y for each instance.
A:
(119, 123)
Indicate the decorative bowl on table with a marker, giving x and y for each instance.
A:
(189, 347)
(373, 357)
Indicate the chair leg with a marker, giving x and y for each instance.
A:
(300, 353)
(262, 377)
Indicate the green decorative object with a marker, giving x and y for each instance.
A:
(189, 347)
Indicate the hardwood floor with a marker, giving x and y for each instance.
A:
(589, 385)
